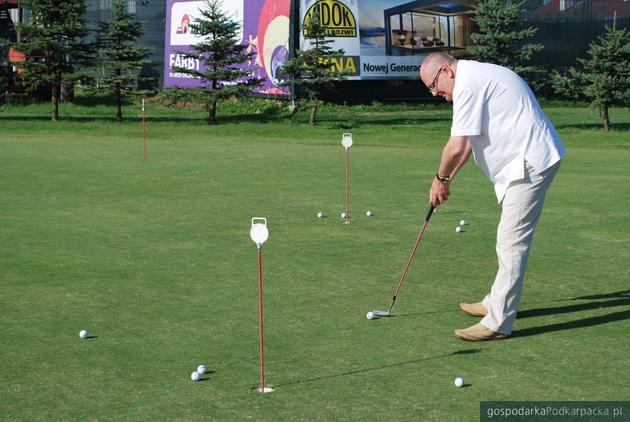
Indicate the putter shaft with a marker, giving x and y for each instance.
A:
(413, 253)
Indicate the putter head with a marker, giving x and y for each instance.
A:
(380, 313)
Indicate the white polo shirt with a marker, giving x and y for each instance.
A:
(504, 123)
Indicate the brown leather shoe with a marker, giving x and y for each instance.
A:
(474, 309)
(479, 332)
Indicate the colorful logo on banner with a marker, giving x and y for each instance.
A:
(184, 26)
(335, 16)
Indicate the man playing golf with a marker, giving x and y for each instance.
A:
(498, 119)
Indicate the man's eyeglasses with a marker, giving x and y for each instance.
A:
(433, 85)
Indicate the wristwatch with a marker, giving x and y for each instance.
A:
(443, 179)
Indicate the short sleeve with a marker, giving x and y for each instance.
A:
(467, 112)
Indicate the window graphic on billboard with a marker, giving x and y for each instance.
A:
(264, 26)
(391, 38)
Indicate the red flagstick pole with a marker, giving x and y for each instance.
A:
(347, 182)
(144, 131)
(260, 321)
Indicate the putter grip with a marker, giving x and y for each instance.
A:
(430, 212)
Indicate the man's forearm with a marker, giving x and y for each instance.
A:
(454, 156)
(463, 160)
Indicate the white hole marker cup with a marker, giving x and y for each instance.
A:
(259, 232)
(346, 140)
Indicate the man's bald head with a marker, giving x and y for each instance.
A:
(434, 62)
(438, 74)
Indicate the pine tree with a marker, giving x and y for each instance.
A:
(501, 38)
(5, 72)
(54, 46)
(220, 54)
(604, 78)
(313, 68)
(118, 58)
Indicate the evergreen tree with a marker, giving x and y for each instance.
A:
(220, 54)
(313, 68)
(54, 46)
(501, 38)
(5, 72)
(118, 57)
(605, 75)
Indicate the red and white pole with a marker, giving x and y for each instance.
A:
(260, 321)
(346, 142)
(259, 235)
(347, 186)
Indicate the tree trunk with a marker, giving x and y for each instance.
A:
(313, 116)
(56, 89)
(67, 91)
(119, 115)
(604, 112)
(212, 112)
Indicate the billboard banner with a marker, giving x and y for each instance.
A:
(388, 39)
(265, 26)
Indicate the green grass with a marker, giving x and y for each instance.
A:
(154, 259)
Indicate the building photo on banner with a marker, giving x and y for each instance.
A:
(384, 39)
(265, 28)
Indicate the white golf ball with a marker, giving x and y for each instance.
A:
(343, 215)
(458, 229)
(320, 214)
(370, 315)
(195, 376)
(459, 382)
(83, 333)
(202, 369)
(462, 222)
(369, 213)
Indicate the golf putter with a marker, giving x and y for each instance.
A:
(377, 313)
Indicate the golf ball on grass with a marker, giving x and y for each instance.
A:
(369, 213)
(370, 315)
(83, 333)
(459, 382)
(343, 215)
(195, 376)
(320, 215)
(201, 369)
(458, 229)
(462, 222)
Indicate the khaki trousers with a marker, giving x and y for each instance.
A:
(522, 206)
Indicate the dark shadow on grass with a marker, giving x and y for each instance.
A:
(424, 313)
(376, 368)
(580, 323)
(572, 308)
(621, 293)
(206, 376)
(89, 337)
(466, 352)
(621, 297)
